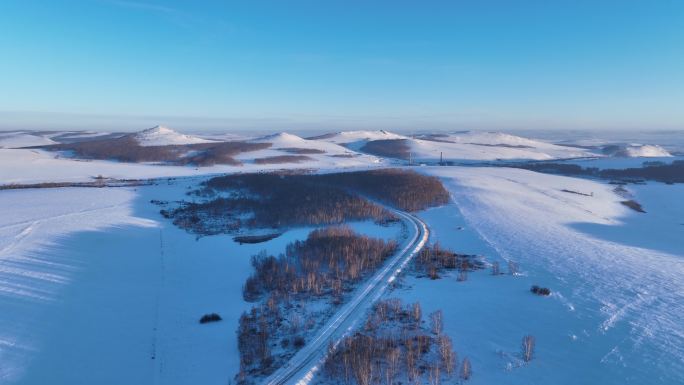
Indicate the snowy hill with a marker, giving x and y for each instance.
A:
(21, 139)
(474, 145)
(163, 136)
(284, 140)
(636, 151)
(344, 137)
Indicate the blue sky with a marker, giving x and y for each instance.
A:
(328, 65)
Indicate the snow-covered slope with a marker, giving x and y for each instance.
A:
(636, 151)
(473, 145)
(464, 146)
(344, 137)
(615, 276)
(162, 136)
(284, 140)
(36, 166)
(23, 139)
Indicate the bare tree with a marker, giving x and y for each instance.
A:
(512, 268)
(436, 322)
(462, 276)
(393, 357)
(434, 375)
(446, 353)
(528, 343)
(496, 269)
(466, 370)
(417, 312)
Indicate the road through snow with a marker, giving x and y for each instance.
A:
(303, 365)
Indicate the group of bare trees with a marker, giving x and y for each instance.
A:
(272, 201)
(404, 189)
(127, 149)
(389, 148)
(433, 259)
(329, 261)
(282, 159)
(325, 263)
(279, 200)
(255, 330)
(393, 347)
(662, 172)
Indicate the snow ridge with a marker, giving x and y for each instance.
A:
(163, 136)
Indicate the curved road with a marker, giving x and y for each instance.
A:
(306, 362)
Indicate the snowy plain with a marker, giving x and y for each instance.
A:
(96, 287)
(616, 275)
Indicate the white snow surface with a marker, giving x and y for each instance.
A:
(485, 146)
(19, 166)
(639, 150)
(286, 140)
(344, 137)
(95, 280)
(616, 277)
(21, 139)
(162, 136)
(41, 276)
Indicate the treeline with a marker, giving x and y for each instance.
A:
(394, 347)
(301, 151)
(327, 262)
(127, 149)
(404, 189)
(278, 200)
(270, 333)
(388, 148)
(656, 171)
(272, 200)
(255, 332)
(432, 260)
(282, 159)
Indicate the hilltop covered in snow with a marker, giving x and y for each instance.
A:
(21, 139)
(636, 151)
(164, 136)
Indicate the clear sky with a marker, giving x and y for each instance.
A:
(323, 64)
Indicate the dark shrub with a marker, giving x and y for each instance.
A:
(540, 290)
(298, 342)
(213, 317)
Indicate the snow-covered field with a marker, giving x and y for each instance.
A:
(472, 145)
(24, 166)
(616, 275)
(96, 287)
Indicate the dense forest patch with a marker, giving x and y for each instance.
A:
(301, 151)
(324, 266)
(388, 148)
(271, 201)
(282, 159)
(403, 189)
(280, 200)
(127, 149)
(656, 171)
(395, 347)
(327, 262)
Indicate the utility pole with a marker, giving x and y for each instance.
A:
(441, 159)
